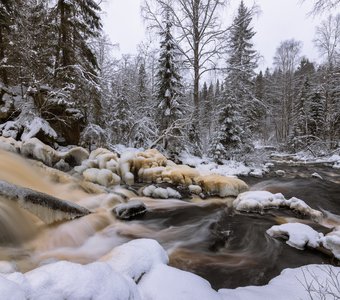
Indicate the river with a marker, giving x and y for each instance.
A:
(206, 237)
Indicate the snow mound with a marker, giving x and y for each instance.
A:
(167, 283)
(299, 235)
(261, 200)
(136, 258)
(66, 280)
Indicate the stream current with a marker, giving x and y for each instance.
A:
(206, 237)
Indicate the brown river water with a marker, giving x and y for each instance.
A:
(206, 237)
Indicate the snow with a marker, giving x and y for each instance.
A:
(66, 280)
(35, 126)
(138, 270)
(167, 283)
(332, 242)
(299, 235)
(261, 200)
(291, 284)
(7, 267)
(136, 258)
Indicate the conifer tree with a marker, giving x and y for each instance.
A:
(169, 108)
(241, 63)
(7, 10)
(317, 113)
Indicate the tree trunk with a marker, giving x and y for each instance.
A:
(3, 72)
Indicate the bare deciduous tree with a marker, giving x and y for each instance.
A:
(198, 32)
(286, 58)
(328, 39)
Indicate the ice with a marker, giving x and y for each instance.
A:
(38, 150)
(9, 144)
(299, 235)
(101, 176)
(221, 185)
(261, 200)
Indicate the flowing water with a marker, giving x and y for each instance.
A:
(206, 237)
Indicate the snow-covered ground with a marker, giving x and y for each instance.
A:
(138, 270)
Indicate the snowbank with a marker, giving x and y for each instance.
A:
(307, 282)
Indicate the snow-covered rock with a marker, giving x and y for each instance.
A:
(317, 175)
(299, 235)
(195, 189)
(221, 185)
(101, 176)
(162, 193)
(38, 150)
(40, 128)
(130, 210)
(332, 242)
(280, 173)
(9, 144)
(261, 200)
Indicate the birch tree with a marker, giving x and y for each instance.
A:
(199, 33)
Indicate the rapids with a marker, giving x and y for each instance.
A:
(206, 237)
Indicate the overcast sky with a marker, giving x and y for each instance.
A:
(279, 20)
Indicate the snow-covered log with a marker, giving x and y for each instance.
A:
(47, 208)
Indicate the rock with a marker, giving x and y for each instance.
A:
(36, 149)
(316, 175)
(62, 166)
(280, 173)
(131, 210)
(195, 189)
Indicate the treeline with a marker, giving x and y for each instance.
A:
(55, 56)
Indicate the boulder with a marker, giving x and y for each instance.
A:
(131, 210)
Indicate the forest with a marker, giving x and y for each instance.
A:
(184, 171)
(59, 76)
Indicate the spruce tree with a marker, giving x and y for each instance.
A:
(237, 104)
(241, 63)
(7, 11)
(227, 142)
(169, 105)
(317, 114)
